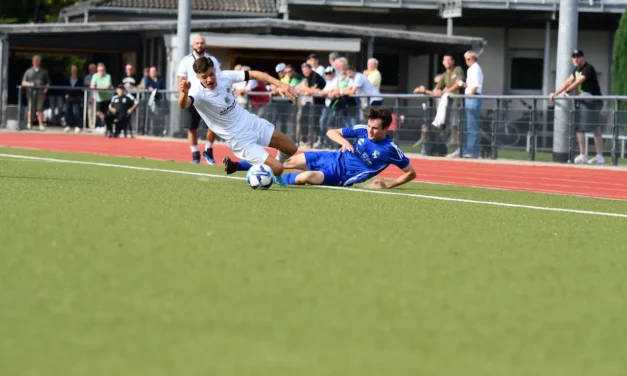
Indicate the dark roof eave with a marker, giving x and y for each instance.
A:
(165, 12)
(323, 28)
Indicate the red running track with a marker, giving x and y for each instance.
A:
(600, 182)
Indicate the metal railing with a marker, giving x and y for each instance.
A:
(518, 127)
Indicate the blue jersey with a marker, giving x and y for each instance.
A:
(370, 157)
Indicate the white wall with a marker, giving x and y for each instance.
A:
(595, 44)
(492, 60)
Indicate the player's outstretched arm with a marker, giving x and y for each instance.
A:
(184, 100)
(409, 175)
(336, 136)
(282, 87)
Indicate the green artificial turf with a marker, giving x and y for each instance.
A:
(112, 271)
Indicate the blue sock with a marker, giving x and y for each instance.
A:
(243, 166)
(290, 179)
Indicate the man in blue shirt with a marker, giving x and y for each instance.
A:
(354, 163)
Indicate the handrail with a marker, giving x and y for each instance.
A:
(399, 95)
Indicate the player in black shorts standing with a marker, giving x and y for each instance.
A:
(186, 72)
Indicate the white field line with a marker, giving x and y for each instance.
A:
(378, 192)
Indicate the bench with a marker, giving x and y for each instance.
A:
(622, 139)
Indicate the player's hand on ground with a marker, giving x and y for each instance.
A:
(347, 147)
(378, 184)
(184, 86)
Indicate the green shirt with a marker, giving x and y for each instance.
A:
(449, 79)
(102, 83)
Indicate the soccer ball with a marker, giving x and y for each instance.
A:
(260, 176)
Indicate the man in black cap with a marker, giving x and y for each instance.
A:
(585, 83)
(120, 109)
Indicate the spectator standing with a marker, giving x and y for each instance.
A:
(362, 87)
(142, 83)
(373, 74)
(314, 63)
(585, 83)
(55, 96)
(154, 84)
(36, 76)
(129, 81)
(333, 56)
(327, 119)
(256, 101)
(473, 86)
(90, 108)
(448, 82)
(346, 105)
(74, 101)
(313, 108)
(101, 80)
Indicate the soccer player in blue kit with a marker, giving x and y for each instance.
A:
(354, 163)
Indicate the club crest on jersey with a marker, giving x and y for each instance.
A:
(360, 141)
(376, 154)
(227, 100)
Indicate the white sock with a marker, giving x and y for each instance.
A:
(208, 145)
(282, 157)
(194, 148)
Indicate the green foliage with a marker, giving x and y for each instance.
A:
(17, 11)
(619, 63)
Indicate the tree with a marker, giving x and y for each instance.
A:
(38, 11)
(619, 63)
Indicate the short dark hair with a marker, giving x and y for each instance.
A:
(382, 113)
(202, 64)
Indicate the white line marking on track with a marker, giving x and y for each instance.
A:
(428, 197)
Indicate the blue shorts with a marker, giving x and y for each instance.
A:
(328, 163)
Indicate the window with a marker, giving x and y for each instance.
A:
(526, 73)
(388, 66)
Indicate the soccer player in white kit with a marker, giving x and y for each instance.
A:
(186, 72)
(245, 133)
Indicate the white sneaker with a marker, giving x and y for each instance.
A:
(317, 145)
(598, 160)
(42, 127)
(66, 129)
(28, 126)
(77, 130)
(454, 154)
(581, 159)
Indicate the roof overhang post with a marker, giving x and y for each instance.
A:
(370, 48)
(4, 81)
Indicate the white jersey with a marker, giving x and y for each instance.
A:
(220, 110)
(186, 68)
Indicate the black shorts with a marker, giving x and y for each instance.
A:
(102, 107)
(194, 120)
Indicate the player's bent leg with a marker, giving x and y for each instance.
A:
(282, 143)
(307, 177)
(275, 165)
(296, 162)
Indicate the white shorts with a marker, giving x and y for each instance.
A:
(249, 146)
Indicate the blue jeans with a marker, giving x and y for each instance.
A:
(472, 136)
